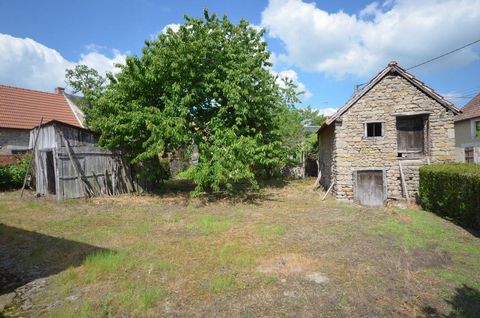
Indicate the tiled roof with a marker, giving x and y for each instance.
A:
(23, 108)
(391, 67)
(470, 110)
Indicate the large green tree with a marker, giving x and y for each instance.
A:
(207, 84)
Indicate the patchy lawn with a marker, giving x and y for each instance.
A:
(286, 253)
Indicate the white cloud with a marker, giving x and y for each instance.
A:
(102, 63)
(456, 98)
(29, 64)
(292, 76)
(340, 44)
(174, 26)
(329, 111)
(371, 10)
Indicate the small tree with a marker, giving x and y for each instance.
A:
(86, 80)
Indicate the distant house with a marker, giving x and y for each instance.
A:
(467, 132)
(21, 110)
(372, 147)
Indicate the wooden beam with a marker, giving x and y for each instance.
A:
(31, 159)
(328, 191)
(87, 192)
(404, 184)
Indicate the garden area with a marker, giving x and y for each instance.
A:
(281, 252)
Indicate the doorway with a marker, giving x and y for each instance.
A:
(50, 168)
(370, 189)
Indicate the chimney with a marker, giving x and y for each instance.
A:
(59, 90)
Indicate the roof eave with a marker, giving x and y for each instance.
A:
(393, 66)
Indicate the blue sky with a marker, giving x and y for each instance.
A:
(325, 46)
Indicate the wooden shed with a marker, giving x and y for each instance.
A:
(68, 164)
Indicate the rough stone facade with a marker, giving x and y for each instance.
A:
(11, 139)
(326, 150)
(353, 151)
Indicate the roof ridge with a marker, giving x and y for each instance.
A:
(392, 66)
(22, 108)
(29, 89)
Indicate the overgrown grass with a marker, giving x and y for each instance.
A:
(421, 229)
(271, 230)
(210, 224)
(221, 282)
(234, 255)
(414, 229)
(132, 256)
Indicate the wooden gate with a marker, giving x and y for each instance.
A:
(370, 189)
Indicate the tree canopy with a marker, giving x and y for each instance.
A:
(207, 84)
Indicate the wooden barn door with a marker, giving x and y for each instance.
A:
(370, 188)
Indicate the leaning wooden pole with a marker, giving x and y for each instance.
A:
(404, 184)
(328, 191)
(31, 159)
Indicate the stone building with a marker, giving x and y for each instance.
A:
(372, 147)
(467, 132)
(21, 110)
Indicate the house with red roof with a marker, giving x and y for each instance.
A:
(467, 132)
(22, 109)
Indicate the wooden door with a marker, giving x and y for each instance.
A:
(370, 188)
(410, 134)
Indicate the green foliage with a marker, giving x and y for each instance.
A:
(294, 137)
(291, 132)
(312, 116)
(11, 176)
(452, 190)
(87, 81)
(311, 144)
(206, 84)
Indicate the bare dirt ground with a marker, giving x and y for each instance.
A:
(281, 253)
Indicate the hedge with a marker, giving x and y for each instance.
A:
(452, 190)
(11, 176)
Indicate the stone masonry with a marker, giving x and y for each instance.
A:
(352, 151)
(13, 138)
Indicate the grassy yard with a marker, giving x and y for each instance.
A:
(285, 253)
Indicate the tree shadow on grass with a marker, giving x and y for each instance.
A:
(465, 304)
(27, 255)
(241, 193)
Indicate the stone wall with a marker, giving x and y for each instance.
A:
(353, 151)
(326, 142)
(13, 139)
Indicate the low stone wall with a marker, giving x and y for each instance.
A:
(13, 138)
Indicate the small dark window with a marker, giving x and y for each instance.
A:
(19, 151)
(469, 155)
(477, 129)
(374, 130)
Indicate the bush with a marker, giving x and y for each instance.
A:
(452, 190)
(11, 176)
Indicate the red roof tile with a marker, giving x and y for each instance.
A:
(470, 110)
(23, 108)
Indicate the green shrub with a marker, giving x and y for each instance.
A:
(11, 176)
(452, 190)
